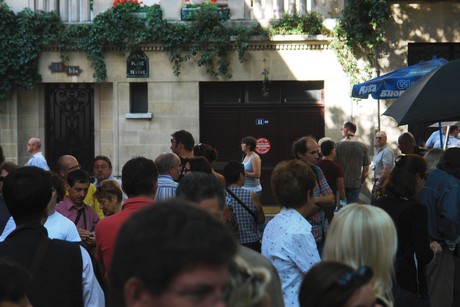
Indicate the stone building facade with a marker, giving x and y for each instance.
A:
(174, 103)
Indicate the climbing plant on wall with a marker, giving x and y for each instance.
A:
(206, 40)
(359, 33)
(22, 38)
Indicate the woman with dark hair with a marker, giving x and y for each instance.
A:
(334, 284)
(246, 205)
(206, 151)
(197, 164)
(410, 217)
(288, 241)
(252, 165)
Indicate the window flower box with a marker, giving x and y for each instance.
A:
(136, 8)
(189, 13)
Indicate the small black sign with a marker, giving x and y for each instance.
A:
(137, 65)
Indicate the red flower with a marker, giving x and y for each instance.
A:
(214, 1)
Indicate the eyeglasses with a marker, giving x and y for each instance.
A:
(359, 277)
(173, 141)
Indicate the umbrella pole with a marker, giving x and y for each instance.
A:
(447, 138)
(378, 114)
(440, 133)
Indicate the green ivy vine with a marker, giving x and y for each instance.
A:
(359, 33)
(206, 40)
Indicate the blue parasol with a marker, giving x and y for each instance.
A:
(394, 84)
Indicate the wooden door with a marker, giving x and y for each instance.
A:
(225, 121)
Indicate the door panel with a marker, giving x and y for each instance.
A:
(230, 111)
(223, 128)
(70, 123)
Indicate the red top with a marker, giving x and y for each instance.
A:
(107, 229)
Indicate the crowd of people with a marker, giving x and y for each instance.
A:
(174, 232)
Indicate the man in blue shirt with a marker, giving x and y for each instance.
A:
(37, 159)
(168, 165)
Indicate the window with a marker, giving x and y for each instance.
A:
(138, 97)
(69, 10)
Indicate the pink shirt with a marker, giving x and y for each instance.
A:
(88, 218)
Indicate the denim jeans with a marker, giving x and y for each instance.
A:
(352, 194)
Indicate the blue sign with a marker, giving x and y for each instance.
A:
(261, 122)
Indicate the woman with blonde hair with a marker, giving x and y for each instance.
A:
(364, 235)
(110, 196)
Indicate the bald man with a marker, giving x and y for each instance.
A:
(407, 145)
(37, 159)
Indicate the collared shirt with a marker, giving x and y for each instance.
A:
(318, 219)
(451, 142)
(92, 201)
(38, 160)
(289, 244)
(56, 224)
(166, 187)
(107, 229)
(431, 142)
(88, 218)
(249, 232)
(384, 157)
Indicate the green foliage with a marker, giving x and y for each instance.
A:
(311, 23)
(358, 35)
(205, 40)
(22, 38)
(201, 5)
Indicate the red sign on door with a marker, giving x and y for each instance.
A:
(262, 146)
